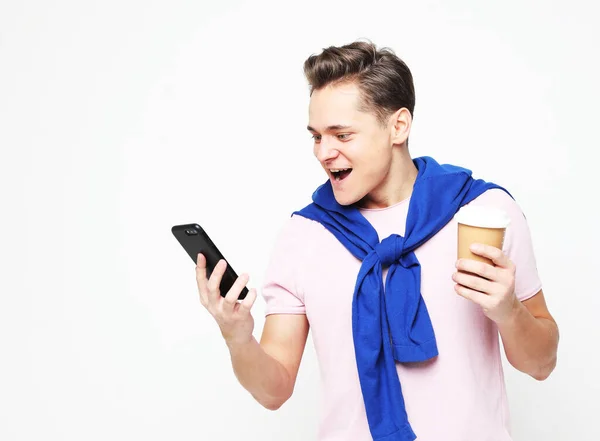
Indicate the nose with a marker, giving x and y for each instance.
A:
(324, 151)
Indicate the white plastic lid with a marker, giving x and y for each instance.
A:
(482, 216)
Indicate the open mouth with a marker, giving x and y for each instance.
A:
(341, 174)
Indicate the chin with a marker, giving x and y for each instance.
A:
(344, 198)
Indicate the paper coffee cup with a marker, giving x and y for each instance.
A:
(480, 224)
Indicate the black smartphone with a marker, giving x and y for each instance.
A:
(195, 240)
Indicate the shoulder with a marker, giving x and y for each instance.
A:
(299, 233)
(301, 228)
(498, 198)
(518, 240)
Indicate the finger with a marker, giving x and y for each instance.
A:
(249, 300)
(236, 289)
(494, 254)
(482, 269)
(201, 278)
(215, 281)
(474, 282)
(481, 299)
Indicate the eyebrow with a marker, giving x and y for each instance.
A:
(331, 128)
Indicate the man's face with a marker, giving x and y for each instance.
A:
(351, 140)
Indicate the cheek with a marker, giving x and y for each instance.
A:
(370, 154)
(378, 159)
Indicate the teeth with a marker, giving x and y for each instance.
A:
(337, 170)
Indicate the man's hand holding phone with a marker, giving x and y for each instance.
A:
(232, 316)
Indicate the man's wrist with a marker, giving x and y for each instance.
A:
(513, 315)
(236, 344)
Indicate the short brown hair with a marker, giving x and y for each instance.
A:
(385, 81)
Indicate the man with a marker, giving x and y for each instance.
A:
(446, 381)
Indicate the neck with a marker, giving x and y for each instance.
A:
(396, 186)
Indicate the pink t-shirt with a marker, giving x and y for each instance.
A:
(459, 395)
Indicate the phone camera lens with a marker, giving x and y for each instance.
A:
(191, 232)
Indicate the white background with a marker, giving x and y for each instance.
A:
(119, 119)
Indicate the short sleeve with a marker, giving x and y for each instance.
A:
(518, 244)
(280, 289)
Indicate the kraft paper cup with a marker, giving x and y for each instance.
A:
(480, 224)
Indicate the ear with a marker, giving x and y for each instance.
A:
(401, 122)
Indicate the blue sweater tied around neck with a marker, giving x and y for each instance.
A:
(395, 326)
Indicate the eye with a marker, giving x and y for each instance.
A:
(343, 136)
(317, 138)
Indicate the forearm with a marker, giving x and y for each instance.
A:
(260, 374)
(530, 343)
